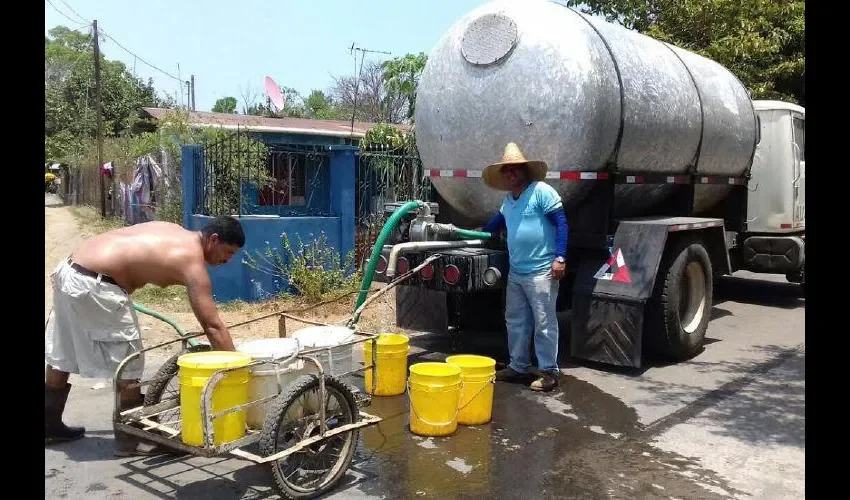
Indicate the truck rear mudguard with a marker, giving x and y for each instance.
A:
(612, 288)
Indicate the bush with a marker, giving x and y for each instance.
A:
(313, 269)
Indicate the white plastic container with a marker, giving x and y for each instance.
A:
(265, 378)
(340, 359)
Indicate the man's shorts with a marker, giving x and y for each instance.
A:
(92, 327)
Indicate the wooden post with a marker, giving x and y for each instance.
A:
(281, 326)
(99, 107)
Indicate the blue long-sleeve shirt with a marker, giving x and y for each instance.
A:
(528, 253)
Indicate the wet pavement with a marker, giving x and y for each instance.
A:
(728, 424)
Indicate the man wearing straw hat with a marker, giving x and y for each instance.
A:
(533, 215)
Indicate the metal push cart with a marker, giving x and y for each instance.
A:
(310, 431)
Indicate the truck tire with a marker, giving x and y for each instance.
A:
(679, 310)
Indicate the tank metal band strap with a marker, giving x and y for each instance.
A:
(616, 152)
(701, 108)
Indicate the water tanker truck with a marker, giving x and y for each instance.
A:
(671, 176)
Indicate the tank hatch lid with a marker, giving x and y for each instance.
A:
(489, 39)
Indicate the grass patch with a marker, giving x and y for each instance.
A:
(173, 297)
(91, 221)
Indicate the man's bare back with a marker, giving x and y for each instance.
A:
(159, 253)
(164, 254)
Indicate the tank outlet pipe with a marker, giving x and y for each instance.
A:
(386, 231)
(440, 231)
(414, 246)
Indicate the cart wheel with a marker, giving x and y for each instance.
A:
(294, 417)
(167, 386)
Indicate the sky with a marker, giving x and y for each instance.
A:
(230, 46)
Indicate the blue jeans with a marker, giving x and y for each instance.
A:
(530, 307)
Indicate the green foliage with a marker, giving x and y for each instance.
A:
(313, 269)
(762, 42)
(225, 105)
(383, 134)
(401, 75)
(69, 104)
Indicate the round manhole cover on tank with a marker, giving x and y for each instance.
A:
(489, 39)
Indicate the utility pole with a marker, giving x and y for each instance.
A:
(99, 106)
(192, 86)
(353, 49)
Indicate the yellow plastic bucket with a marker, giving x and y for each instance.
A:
(390, 364)
(434, 396)
(476, 396)
(195, 369)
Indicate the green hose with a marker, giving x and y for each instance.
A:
(180, 330)
(388, 228)
(472, 235)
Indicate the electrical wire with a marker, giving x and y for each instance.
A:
(107, 35)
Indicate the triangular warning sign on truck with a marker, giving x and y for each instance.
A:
(615, 269)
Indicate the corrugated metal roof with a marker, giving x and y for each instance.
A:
(334, 128)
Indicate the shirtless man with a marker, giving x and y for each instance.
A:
(93, 325)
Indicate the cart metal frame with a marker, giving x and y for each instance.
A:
(123, 420)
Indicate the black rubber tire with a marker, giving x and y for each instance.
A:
(664, 332)
(268, 439)
(166, 373)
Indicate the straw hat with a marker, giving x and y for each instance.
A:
(492, 174)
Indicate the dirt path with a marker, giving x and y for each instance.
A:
(62, 233)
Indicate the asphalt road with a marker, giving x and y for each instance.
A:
(728, 424)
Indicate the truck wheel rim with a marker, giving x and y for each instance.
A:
(692, 297)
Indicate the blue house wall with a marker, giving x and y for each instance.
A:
(333, 197)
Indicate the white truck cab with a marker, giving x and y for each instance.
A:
(777, 200)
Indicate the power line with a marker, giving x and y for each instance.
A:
(107, 35)
(65, 15)
(75, 12)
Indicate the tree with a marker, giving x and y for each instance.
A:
(69, 104)
(401, 75)
(761, 41)
(225, 105)
(374, 101)
(320, 106)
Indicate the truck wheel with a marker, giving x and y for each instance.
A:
(678, 313)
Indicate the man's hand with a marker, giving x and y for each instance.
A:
(200, 298)
(558, 269)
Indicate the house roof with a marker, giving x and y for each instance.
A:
(329, 128)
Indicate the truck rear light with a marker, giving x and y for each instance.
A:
(427, 272)
(492, 276)
(451, 274)
(381, 266)
(402, 266)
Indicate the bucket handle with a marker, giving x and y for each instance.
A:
(491, 380)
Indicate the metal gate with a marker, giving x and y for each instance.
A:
(241, 175)
(384, 176)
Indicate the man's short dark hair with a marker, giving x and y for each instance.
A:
(228, 229)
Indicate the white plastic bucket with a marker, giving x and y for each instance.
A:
(341, 357)
(264, 378)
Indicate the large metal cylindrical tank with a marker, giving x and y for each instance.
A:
(570, 89)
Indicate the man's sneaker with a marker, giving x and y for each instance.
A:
(545, 383)
(508, 374)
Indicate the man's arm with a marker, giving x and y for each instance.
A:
(559, 219)
(200, 298)
(550, 204)
(495, 224)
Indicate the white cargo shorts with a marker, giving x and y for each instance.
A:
(92, 327)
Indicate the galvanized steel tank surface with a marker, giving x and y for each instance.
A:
(547, 77)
